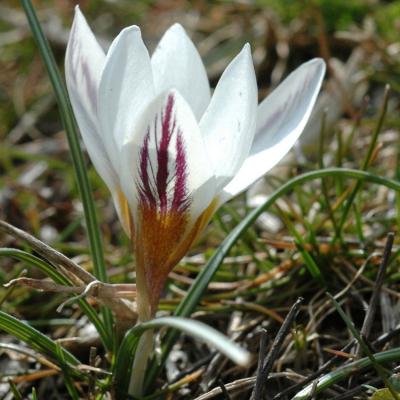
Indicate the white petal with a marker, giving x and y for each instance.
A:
(177, 64)
(84, 62)
(126, 87)
(228, 124)
(282, 117)
(165, 163)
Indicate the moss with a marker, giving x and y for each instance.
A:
(338, 14)
(387, 18)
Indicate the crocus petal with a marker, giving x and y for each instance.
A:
(84, 62)
(165, 162)
(282, 117)
(228, 125)
(169, 184)
(177, 64)
(126, 87)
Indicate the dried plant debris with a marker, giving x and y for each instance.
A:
(314, 239)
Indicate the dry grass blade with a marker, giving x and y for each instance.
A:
(373, 304)
(69, 268)
(256, 275)
(242, 385)
(257, 391)
(74, 272)
(96, 289)
(276, 347)
(312, 377)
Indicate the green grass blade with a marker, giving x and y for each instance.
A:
(34, 261)
(340, 373)
(365, 164)
(309, 261)
(68, 120)
(67, 379)
(44, 345)
(381, 371)
(36, 340)
(16, 393)
(189, 303)
(325, 193)
(57, 277)
(199, 330)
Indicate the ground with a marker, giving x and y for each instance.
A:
(327, 232)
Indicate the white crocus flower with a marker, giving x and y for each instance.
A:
(170, 152)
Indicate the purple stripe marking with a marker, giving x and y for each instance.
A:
(162, 153)
(145, 192)
(153, 190)
(180, 200)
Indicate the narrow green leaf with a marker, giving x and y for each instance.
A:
(68, 120)
(381, 371)
(365, 163)
(126, 353)
(346, 371)
(16, 393)
(189, 303)
(321, 152)
(34, 261)
(309, 261)
(37, 340)
(67, 379)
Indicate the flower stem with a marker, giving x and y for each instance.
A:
(145, 346)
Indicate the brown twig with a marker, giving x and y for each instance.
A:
(370, 315)
(224, 391)
(386, 337)
(245, 384)
(73, 271)
(315, 375)
(100, 291)
(197, 365)
(373, 304)
(277, 344)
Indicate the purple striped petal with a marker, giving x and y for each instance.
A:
(169, 185)
(165, 163)
(163, 169)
